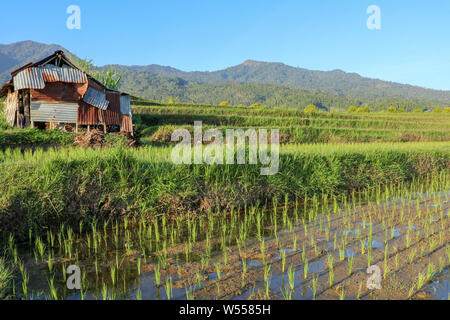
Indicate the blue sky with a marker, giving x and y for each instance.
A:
(413, 45)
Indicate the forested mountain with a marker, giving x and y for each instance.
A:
(156, 87)
(336, 82)
(272, 84)
(17, 54)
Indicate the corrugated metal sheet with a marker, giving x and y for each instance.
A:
(96, 98)
(127, 125)
(112, 115)
(52, 73)
(54, 112)
(30, 78)
(88, 114)
(125, 106)
(59, 92)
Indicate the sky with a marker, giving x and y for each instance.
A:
(411, 47)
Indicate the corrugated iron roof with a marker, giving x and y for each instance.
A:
(96, 98)
(52, 73)
(30, 78)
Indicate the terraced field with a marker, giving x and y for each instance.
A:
(354, 191)
(156, 122)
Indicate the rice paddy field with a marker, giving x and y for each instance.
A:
(358, 210)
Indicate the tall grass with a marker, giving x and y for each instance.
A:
(6, 276)
(45, 188)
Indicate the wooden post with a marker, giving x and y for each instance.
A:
(76, 127)
(104, 128)
(26, 108)
(89, 128)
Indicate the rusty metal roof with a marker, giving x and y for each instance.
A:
(52, 73)
(30, 78)
(96, 98)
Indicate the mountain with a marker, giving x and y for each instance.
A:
(17, 54)
(336, 82)
(271, 83)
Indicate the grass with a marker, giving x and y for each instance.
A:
(32, 137)
(6, 277)
(70, 185)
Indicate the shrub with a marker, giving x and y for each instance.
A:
(224, 103)
(351, 109)
(418, 110)
(311, 108)
(447, 110)
(364, 109)
(392, 109)
(256, 105)
(401, 110)
(437, 110)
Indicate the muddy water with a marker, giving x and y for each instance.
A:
(298, 257)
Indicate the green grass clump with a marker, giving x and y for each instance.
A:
(24, 137)
(6, 276)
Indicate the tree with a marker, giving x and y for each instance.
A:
(310, 108)
(109, 78)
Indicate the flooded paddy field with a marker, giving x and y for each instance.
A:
(313, 249)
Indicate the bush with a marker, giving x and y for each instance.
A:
(401, 110)
(311, 108)
(364, 109)
(392, 109)
(224, 103)
(351, 109)
(256, 105)
(437, 110)
(418, 110)
(447, 110)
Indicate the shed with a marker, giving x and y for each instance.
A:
(54, 91)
